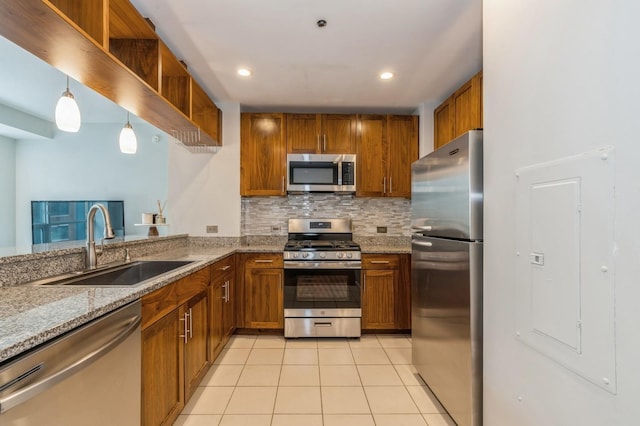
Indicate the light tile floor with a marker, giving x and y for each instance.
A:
(272, 381)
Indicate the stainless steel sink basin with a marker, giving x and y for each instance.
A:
(124, 275)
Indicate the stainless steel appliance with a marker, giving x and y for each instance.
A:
(321, 173)
(89, 376)
(446, 261)
(321, 279)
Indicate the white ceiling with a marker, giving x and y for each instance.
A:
(433, 46)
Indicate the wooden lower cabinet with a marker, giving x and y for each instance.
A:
(222, 313)
(196, 353)
(263, 291)
(162, 370)
(386, 292)
(175, 357)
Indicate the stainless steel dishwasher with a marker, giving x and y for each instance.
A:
(88, 376)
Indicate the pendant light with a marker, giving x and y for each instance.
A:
(67, 112)
(128, 141)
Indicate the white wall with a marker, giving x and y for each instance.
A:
(204, 189)
(560, 78)
(425, 111)
(7, 191)
(89, 165)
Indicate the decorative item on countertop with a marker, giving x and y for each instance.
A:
(160, 219)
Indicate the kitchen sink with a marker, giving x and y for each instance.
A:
(124, 275)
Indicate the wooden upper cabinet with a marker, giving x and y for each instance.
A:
(338, 134)
(303, 134)
(402, 143)
(443, 123)
(321, 133)
(461, 112)
(372, 155)
(262, 154)
(387, 145)
(467, 105)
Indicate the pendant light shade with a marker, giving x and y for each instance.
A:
(67, 112)
(128, 141)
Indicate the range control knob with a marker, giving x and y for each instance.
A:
(340, 255)
(295, 255)
(305, 255)
(349, 255)
(323, 255)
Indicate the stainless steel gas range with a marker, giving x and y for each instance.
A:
(321, 279)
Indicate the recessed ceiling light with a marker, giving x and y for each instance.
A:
(244, 72)
(387, 75)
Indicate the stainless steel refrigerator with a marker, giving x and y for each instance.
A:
(446, 262)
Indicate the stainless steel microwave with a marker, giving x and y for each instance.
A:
(321, 173)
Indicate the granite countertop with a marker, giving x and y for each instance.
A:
(31, 315)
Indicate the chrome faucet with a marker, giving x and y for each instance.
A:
(92, 258)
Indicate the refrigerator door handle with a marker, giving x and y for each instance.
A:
(422, 243)
(422, 228)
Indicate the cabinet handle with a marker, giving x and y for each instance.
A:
(384, 185)
(318, 139)
(383, 262)
(324, 143)
(282, 183)
(185, 336)
(263, 261)
(224, 268)
(390, 185)
(228, 291)
(190, 324)
(364, 282)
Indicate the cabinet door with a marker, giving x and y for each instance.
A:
(216, 317)
(402, 132)
(303, 134)
(378, 299)
(162, 370)
(263, 293)
(338, 134)
(196, 359)
(262, 154)
(371, 159)
(443, 123)
(229, 320)
(467, 105)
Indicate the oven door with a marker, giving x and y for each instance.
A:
(322, 289)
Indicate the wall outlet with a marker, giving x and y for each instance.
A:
(381, 229)
(275, 229)
(212, 229)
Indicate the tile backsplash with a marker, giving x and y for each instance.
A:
(269, 215)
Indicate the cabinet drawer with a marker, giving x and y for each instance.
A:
(263, 260)
(223, 269)
(380, 261)
(162, 301)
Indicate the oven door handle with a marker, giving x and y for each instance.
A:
(327, 264)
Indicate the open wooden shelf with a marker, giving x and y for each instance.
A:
(176, 81)
(116, 52)
(204, 112)
(133, 41)
(87, 15)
